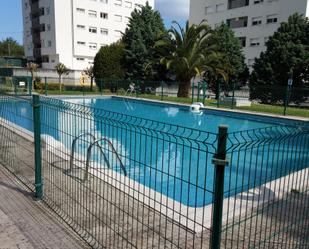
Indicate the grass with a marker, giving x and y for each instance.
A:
(291, 111)
(262, 108)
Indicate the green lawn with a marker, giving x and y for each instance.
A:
(270, 109)
(292, 111)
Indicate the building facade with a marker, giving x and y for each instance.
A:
(253, 21)
(72, 31)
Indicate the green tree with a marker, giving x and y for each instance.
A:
(108, 62)
(190, 52)
(229, 46)
(287, 54)
(32, 68)
(89, 72)
(10, 47)
(144, 29)
(61, 70)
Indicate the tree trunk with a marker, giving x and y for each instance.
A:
(60, 83)
(184, 89)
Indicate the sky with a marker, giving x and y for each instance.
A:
(11, 16)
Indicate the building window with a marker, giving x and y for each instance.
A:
(258, 1)
(92, 13)
(80, 26)
(118, 18)
(93, 30)
(48, 27)
(256, 21)
(239, 22)
(47, 10)
(104, 1)
(81, 43)
(254, 42)
(209, 10)
(104, 31)
(80, 59)
(49, 44)
(118, 2)
(81, 11)
(92, 45)
(220, 7)
(271, 19)
(232, 4)
(242, 41)
(128, 4)
(45, 58)
(104, 15)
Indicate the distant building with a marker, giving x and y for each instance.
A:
(253, 21)
(72, 31)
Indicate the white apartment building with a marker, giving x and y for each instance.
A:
(72, 31)
(253, 21)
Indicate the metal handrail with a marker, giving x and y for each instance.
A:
(96, 143)
(74, 146)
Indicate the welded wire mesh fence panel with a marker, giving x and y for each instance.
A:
(266, 189)
(16, 85)
(16, 140)
(132, 182)
(122, 181)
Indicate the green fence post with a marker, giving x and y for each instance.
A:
(46, 87)
(192, 90)
(137, 87)
(233, 98)
(101, 86)
(198, 92)
(218, 93)
(37, 147)
(204, 92)
(286, 100)
(162, 91)
(30, 86)
(15, 87)
(220, 163)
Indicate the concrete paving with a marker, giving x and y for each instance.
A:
(26, 223)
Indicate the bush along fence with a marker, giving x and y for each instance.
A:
(126, 182)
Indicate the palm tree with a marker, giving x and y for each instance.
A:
(61, 69)
(189, 52)
(90, 73)
(32, 68)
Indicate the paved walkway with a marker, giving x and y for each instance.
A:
(25, 223)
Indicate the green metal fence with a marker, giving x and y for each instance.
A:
(105, 174)
(18, 85)
(281, 100)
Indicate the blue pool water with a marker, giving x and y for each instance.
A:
(162, 154)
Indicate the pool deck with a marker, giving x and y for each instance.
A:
(26, 223)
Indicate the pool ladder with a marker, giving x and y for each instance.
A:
(95, 142)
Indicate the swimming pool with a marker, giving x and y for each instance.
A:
(169, 149)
